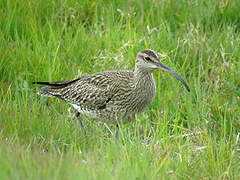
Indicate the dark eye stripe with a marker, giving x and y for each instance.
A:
(148, 59)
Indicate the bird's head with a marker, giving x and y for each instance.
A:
(148, 60)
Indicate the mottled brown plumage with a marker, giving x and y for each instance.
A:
(112, 95)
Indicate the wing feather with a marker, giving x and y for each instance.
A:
(90, 92)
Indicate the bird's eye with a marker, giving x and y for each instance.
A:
(148, 59)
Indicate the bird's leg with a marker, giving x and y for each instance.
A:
(77, 114)
(117, 133)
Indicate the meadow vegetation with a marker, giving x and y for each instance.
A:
(181, 135)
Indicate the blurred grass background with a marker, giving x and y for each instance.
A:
(180, 136)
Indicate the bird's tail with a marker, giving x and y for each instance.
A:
(54, 89)
(49, 91)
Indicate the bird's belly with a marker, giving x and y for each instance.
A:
(128, 106)
(120, 108)
(87, 112)
(109, 114)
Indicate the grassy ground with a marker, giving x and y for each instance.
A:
(180, 136)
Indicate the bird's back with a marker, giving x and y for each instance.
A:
(106, 94)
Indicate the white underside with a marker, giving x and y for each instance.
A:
(84, 111)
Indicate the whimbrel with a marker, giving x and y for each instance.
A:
(112, 95)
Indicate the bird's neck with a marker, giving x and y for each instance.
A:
(143, 77)
(144, 87)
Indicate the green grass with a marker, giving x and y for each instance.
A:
(181, 135)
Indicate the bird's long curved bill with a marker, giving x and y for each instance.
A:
(167, 69)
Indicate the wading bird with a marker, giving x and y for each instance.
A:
(112, 96)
